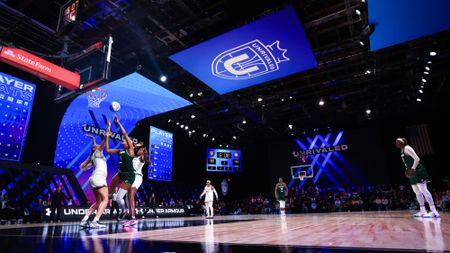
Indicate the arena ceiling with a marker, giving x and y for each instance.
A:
(350, 79)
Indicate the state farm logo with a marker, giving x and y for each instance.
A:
(10, 53)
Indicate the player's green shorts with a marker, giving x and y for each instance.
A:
(420, 176)
(127, 177)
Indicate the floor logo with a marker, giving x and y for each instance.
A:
(249, 60)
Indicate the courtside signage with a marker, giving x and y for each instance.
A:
(40, 67)
(269, 48)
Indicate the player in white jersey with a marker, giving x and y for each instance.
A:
(209, 193)
(138, 162)
(97, 181)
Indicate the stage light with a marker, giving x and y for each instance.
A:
(418, 99)
(420, 91)
(193, 131)
(234, 137)
(177, 123)
(367, 72)
(424, 80)
(357, 12)
(427, 68)
(244, 122)
(429, 62)
(260, 99)
(282, 100)
(290, 97)
(426, 73)
(220, 145)
(290, 126)
(213, 139)
(368, 111)
(190, 132)
(193, 116)
(163, 78)
(228, 146)
(186, 128)
(363, 1)
(433, 53)
(169, 121)
(421, 86)
(191, 95)
(181, 126)
(321, 102)
(361, 43)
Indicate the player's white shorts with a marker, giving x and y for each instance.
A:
(137, 181)
(97, 181)
(282, 204)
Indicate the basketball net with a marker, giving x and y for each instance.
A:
(96, 96)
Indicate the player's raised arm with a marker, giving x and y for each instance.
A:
(130, 143)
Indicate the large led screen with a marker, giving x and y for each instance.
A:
(16, 102)
(269, 48)
(403, 20)
(139, 98)
(161, 147)
(223, 160)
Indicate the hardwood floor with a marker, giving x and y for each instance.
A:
(364, 230)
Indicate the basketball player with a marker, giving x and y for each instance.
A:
(138, 163)
(97, 181)
(281, 191)
(418, 179)
(126, 175)
(209, 193)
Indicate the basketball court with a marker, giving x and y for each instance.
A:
(336, 232)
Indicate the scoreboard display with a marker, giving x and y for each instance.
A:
(223, 160)
(160, 154)
(16, 103)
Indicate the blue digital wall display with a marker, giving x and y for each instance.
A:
(16, 102)
(223, 160)
(403, 20)
(269, 48)
(161, 146)
(139, 98)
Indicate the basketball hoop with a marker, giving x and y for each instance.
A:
(96, 96)
(302, 175)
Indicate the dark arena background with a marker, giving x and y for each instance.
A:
(315, 93)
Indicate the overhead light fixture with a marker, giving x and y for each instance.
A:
(191, 95)
(163, 78)
(290, 97)
(368, 111)
(290, 126)
(418, 99)
(321, 102)
(427, 68)
(234, 137)
(182, 126)
(190, 132)
(169, 121)
(358, 12)
(426, 72)
(186, 128)
(193, 131)
(421, 86)
(424, 80)
(429, 62)
(420, 91)
(433, 53)
(244, 122)
(228, 146)
(213, 139)
(361, 43)
(193, 116)
(220, 145)
(200, 94)
(363, 1)
(282, 100)
(260, 99)
(367, 72)
(178, 123)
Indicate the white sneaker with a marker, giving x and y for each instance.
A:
(420, 214)
(84, 223)
(95, 224)
(435, 215)
(427, 215)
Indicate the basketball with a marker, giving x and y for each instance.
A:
(115, 106)
(409, 173)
